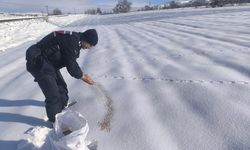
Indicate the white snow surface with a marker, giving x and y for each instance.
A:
(16, 33)
(178, 80)
(64, 20)
(6, 16)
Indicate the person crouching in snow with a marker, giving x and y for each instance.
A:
(45, 59)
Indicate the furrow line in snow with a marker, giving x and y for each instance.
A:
(9, 80)
(107, 49)
(213, 40)
(114, 51)
(228, 39)
(170, 67)
(150, 119)
(195, 116)
(9, 58)
(210, 47)
(12, 67)
(209, 31)
(144, 60)
(175, 80)
(147, 66)
(240, 30)
(90, 61)
(147, 101)
(156, 41)
(229, 20)
(160, 45)
(241, 69)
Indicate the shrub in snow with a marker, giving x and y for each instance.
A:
(57, 11)
(123, 6)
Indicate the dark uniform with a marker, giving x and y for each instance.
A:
(44, 60)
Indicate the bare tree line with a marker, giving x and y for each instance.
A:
(124, 6)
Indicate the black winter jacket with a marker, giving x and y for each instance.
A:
(61, 49)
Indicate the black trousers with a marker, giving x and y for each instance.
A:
(52, 85)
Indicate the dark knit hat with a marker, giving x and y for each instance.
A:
(90, 36)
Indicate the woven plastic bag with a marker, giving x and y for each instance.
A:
(70, 130)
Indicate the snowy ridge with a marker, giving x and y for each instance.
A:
(4, 16)
(13, 34)
(64, 21)
(176, 83)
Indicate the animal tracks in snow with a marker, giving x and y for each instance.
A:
(180, 81)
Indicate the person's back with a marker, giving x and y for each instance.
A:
(58, 45)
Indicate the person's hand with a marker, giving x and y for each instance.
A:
(86, 78)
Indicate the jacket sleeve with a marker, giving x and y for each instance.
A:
(69, 49)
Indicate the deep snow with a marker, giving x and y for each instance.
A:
(178, 79)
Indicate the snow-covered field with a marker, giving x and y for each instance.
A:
(16, 33)
(65, 20)
(178, 79)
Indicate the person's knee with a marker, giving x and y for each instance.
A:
(52, 99)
